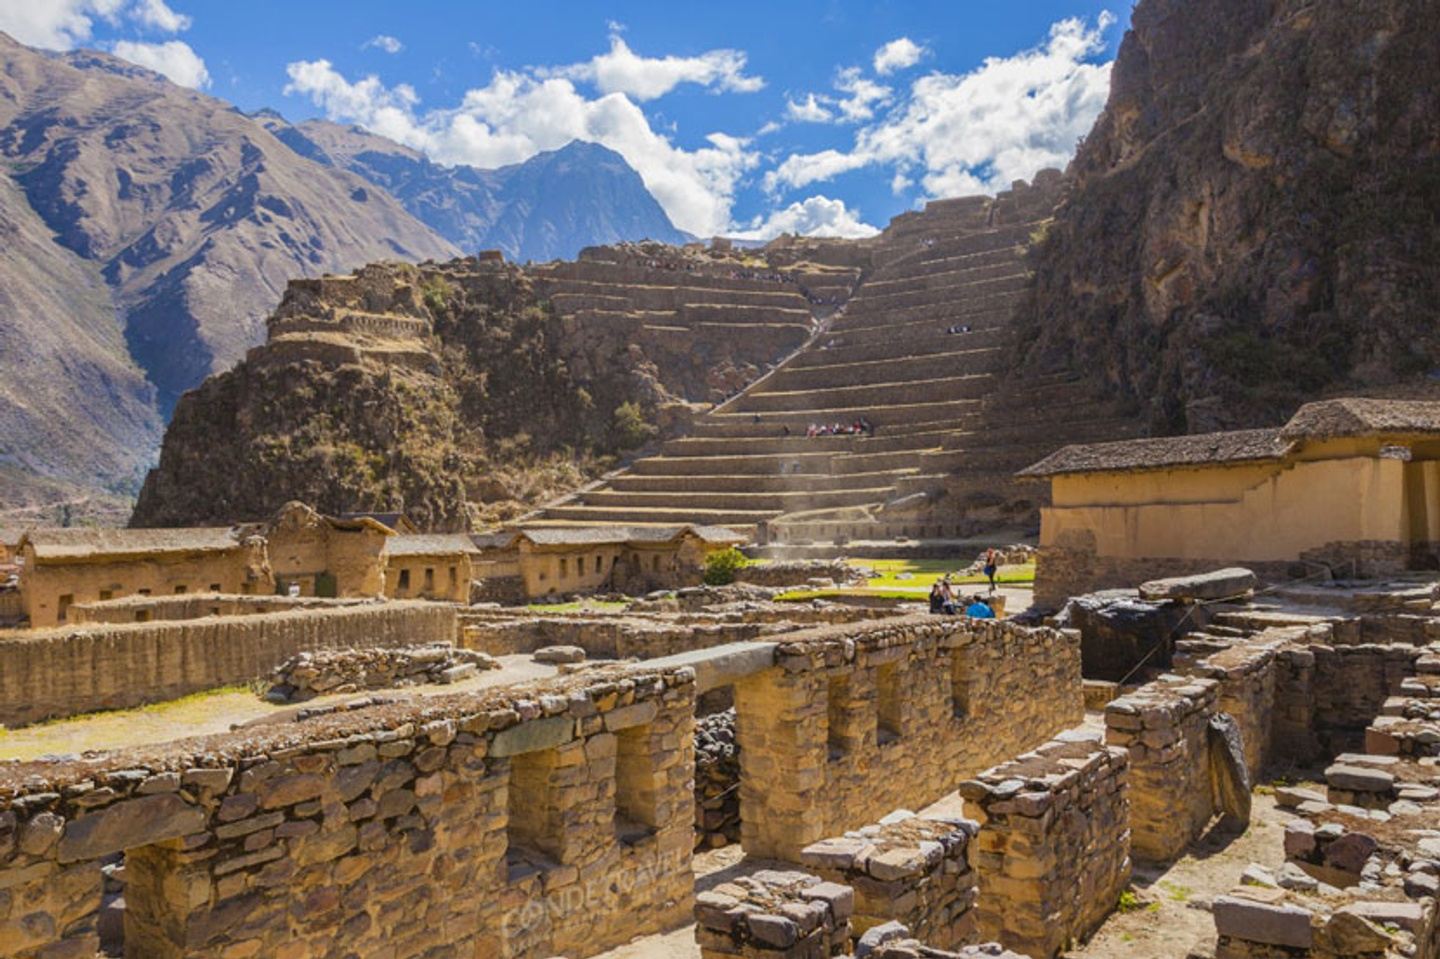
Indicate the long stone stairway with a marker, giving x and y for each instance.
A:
(918, 353)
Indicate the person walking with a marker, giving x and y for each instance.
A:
(992, 560)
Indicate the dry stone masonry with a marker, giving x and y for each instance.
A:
(1053, 851)
(308, 675)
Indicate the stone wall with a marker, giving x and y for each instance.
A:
(606, 638)
(797, 572)
(1053, 851)
(1164, 725)
(140, 609)
(1328, 695)
(774, 914)
(526, 823)
(860, 720)
(908, 869)
(1063, 571)
(310, 674)
(1247, 675)
(61, 672)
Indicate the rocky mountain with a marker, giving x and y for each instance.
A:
(1255, 219)
(146, 230)
(549, 207)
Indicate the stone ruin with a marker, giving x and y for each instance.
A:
(564, 813)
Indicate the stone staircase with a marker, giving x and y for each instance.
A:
(948, 433)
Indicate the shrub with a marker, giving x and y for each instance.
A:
(630, 427)
(720, 567)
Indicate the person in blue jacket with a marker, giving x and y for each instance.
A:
(979, 609)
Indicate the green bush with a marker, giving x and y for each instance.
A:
(630, 427)
(720, 567)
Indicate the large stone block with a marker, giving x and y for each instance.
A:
(1271, 923)
(1219, 584)
(125, 825)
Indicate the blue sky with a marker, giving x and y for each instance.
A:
(748, 118)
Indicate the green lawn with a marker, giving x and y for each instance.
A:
(912, 578)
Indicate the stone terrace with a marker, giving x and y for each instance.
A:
(942, 421)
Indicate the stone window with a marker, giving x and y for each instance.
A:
(655, 564)
(837, 708)
(215, 588)
(580, 566)
(534, 831)
(142, 592)
(887, 703)
(454, 577)
(181, 589)
(107, 594)
(63, 606)
(599, 564)
(564, 567)
(404, 584)
(142, 615)
(960, 683)
(635, 799)
(429, 578)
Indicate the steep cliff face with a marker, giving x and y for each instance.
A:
(1253, 220)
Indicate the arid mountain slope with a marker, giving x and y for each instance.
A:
(1253, 220)
(195, 215)
(549, 207)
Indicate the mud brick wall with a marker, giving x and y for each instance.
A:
(530, 822)
(1164, 725)
(1053, 851)
(61, 672)
(907, 869)
(860, 720)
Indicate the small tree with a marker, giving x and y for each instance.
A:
(720, 567)
(630, 427)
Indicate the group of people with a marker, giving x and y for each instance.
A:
(944, 600)
(862, 425)
(958, 328)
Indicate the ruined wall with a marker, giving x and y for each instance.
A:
(60, 672)
(139, 609)
(1330, 694)
(1163, 725)
(1072, 567)
(607, 638)
(1053, 851)
(908, 869)
(860, 720)
(490, 824)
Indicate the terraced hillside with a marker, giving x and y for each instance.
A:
(948, 429)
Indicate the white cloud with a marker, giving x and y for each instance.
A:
(861, 97)
(518, 115)
(157, 15)
(899, 54)
(173, 58)
(976, 132)
(54, 24)
(622, 70)
(814, 216)
(809, 110)
(385, 42)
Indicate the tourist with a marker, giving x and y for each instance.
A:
(947, 596)
(979, 608)
(992, 560)
(937, 599)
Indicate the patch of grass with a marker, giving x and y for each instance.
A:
(917, 575)
(151, 709)
(1129, 902)
(1176, 892)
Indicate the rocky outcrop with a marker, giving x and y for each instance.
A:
(455, 391)
(1252, 220)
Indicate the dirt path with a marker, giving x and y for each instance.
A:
(1172, 913)
(209, 712)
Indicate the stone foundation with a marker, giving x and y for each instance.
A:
(774, 915)
(1053, 851)
(309, 675)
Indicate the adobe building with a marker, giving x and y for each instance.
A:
(1349, 487)
(60, 567)
(315, 555)
(547, 561)
(434, 566)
